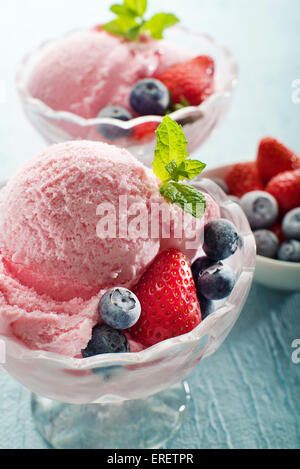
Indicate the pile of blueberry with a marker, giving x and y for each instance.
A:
(262, 211)
(213, 279)
(120, 309)
(148, 97)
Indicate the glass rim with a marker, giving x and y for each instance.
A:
(189, 111)
(203, 329)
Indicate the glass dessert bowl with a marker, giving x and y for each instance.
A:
(198, 121)
(95, 402)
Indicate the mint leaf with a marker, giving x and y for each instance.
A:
(120, 26)
(122, 10)
(186, 197)
(170, 160)
(183, 103)
(137, 6)
(171, 165)
(189, 169)
(159, 22)
(133, 33)
(130, 22)
(171, 146)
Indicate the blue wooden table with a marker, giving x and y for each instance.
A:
(248, 394)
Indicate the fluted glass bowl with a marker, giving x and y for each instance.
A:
(198, 121)
(116, 378)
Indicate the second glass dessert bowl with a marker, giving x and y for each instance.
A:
(130, 400)
(198, 121)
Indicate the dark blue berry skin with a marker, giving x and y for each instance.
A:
(206, 306)
(106, 340)
(217, 282)
(200, 265)
(119, 308)
(150, 96)
(221, 239)
(260, 208)
(291, 224)
(267, 243)
(289, 251)
(112, 132)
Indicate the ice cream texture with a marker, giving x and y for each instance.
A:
(54, 267)
(87, 71)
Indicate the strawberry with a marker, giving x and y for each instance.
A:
(274, 158)
(168, 297)
(243, 178)
(277, 229)
(190, 82)
(285, 187)
(146, 130)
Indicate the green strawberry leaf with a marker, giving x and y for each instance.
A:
(186, 197)
(158, 23)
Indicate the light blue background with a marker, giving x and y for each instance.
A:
(248, 394)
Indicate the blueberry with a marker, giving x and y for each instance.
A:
(221, 239)
(266, 243)
(217, 282)
(120, 308)
(291, 224)
(200, 265)
(206, 306)
(106, 340)
(112, 132)
(221, 184)
(150, 96)
(260, 208)
(289, 251)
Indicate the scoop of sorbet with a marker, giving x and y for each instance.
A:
(49, 216)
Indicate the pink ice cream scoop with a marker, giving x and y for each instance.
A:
(87, 71)
(69, 230)
(49, 222)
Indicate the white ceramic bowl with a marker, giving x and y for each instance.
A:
(271, 273)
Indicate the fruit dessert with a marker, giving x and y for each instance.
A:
(88, 266)
(268, 190)
(121, 70)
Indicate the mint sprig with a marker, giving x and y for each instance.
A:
(172, 164)
(130, 22)
(187, 197)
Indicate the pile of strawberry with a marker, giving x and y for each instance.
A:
(276, 171)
